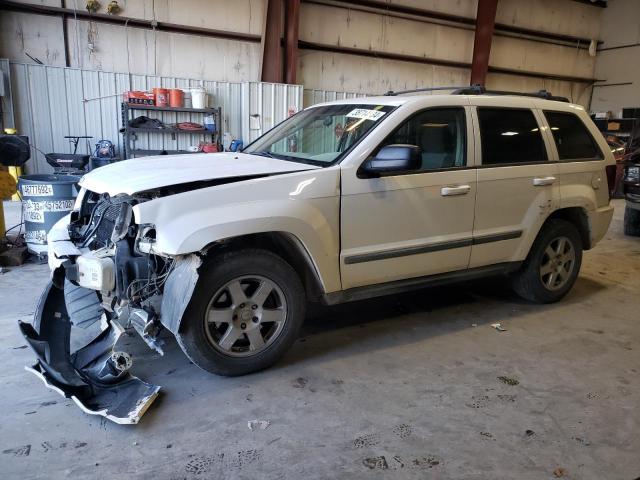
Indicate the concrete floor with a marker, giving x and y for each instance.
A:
(400, 387)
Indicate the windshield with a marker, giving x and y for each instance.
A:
(319, 135)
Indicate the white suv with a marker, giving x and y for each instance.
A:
(343, 201)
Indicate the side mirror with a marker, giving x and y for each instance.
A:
(393, 159)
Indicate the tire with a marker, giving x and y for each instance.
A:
(631, 222)
(534, 281)
(229, 347)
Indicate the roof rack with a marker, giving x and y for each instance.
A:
(480, 90)
(391, 93)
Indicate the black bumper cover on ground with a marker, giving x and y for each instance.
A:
(89, 376)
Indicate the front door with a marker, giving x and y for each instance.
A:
(412, 225)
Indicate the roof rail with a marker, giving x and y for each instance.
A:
(480, 90)
(391, 93)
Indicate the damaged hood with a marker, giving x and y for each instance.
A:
(140, 174)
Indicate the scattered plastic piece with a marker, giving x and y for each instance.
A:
(530, 433)
(258, 424)
(498, 327)
(474, 324)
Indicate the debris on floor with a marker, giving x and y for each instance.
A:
(498, 327)
(529, 433)
(559, 472)
(376, 463)
(508, 380)
(258, 424)
(582, 441)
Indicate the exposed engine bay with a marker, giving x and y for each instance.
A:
(109, 279)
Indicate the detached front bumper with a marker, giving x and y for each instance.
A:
(95, 377)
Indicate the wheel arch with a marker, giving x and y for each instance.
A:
(284, 244)
(579, 218)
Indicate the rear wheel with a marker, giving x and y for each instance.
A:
(553, 264)
(631, 222)
(244, 314)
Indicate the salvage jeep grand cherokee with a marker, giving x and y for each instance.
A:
(343, 201)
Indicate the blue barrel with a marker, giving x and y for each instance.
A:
(45, 200)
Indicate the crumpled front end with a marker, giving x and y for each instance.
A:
(95, 376)
(105, 278)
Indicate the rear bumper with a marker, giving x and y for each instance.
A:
(95, 377)
(599, 221)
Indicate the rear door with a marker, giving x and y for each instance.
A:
(517, 183)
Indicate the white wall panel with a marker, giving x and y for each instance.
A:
(38, 35)
(620, 26)
(555, 16)
(371, 31)
(340, 72)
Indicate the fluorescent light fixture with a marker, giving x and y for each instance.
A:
(509, 134)
(555, 128)
(435, 124)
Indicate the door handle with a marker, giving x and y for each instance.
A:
(541, 181)
(455, 190)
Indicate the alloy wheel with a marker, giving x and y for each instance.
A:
(558, 263)
(245, 316)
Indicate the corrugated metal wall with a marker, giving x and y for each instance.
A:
(51, 102)
(313, 96)
(267, 105)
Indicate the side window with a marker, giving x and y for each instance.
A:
(510, 135)
(572, 138)
(441, 135)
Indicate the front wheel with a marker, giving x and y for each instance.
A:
(245, 313)
(553, 264)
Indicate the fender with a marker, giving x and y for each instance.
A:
(191, 221)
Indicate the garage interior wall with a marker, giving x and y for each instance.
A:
(618, 59)
(336, 24)
(51, 102)
(116, 48)
(326, 24)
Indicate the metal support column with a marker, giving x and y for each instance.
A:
(292, 23)
(485, 22)
(272, 69)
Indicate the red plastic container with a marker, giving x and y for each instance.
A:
(162, 96)
(176, 98)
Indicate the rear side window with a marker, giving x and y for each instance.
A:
(571, 136)
(510, 135)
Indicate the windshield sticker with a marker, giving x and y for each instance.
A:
(366, 114)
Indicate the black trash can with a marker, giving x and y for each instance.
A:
(45, 200)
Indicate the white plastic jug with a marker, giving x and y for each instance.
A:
(198, 98)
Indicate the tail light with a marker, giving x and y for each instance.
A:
(611, 178)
